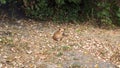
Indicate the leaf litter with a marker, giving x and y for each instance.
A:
(29, 44)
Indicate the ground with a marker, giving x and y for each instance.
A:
(27, 43)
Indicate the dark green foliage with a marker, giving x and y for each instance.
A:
(57, 10)
(105, 11)
(3, 1)
(116, 13)
(67, 13)
(38, 9)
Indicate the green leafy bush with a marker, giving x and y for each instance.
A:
(108, 12)
(3, 1)
(63, 10)
(105, 11)
(38, 9)
(116, 13)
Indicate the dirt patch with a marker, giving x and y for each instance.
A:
(29, 44)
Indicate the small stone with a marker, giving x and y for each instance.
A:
(96, 66)
(0, 39)
(118, 66)
(19, 21)
(0, 65)
(5, 56)
(29, 52)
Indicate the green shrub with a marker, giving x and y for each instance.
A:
(38, 9)
(63, 10)
(3, 1)
(105, 11)
(116, 13)
(108, 12)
